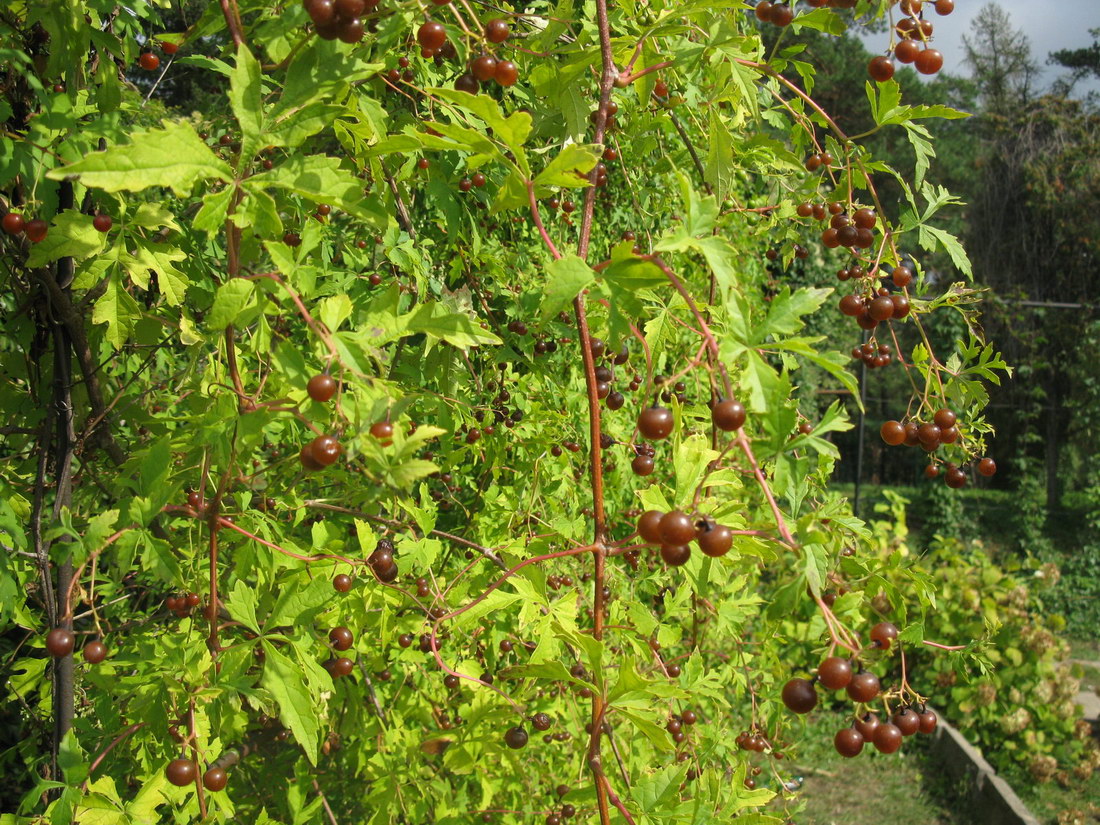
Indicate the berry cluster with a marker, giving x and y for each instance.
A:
(942, 429)
(339, 19)
(35, 229)
(862, 687)
(675, 530)
(873, 355)
(913, 32)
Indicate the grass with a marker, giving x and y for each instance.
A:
(1050, 799)
(872, 788)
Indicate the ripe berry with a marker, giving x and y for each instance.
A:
(340, 638)
(944, 418)
(431, 35)
(987, 466)
(675, 555)
(883, 634)
(515, 738)
(497, 31)
(341, 583)
(149, 61)
(325, 450)
(215, 779)
(715, 541)
(880, 68)
(181, 772)
(36, 230)
(929, 61)
(506, 73)
(13, 223)
(781, 15)
(799, 695)
(655, 423)
(835, 673)
(864, 687)
(59, 642)
(467, 83)
(928, 721)
(169, 48)
(945, 6)
(728, 415)
(887, 738)
(867, 726)
(95, 652)
(676, 528)
(649, 526)
(383, 431)
(907, 51)
(642, 465)
(893, 433)
(102, 223)
(309, 463)
(321, 387)
(848, 742)
(342, 666)
(907, 721)
(955, 477)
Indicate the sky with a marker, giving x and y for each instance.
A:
(1049, 24)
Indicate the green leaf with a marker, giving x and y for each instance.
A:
(322, 179)
(71, 234)
(118, 311)
(241, 604)
(654, 790)
(456, 328)
(565, 279)
(930, 235)
(570, 167)
(173, 156)
(245, 99)
(513, 130)
(299, 603)
(283, 680)
(229, 302)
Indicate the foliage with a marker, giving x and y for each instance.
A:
(1012, 694)
(316, 219)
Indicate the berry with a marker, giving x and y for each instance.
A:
(883, 634)
(341, 583)
(383, 431)
(515, 738)
(181, 772)
(944, 418)
(728, 415)
(102, 223)
(715, 541)
(987, 466)
(95, 652)
(676, 528)
(887, 738)
(781, 15)
(325, 450)
(675, 555)
(642, 465)
(321, 387)
(928, 721)
(655, 423)
(880, 69)
(506, 73)
(541, 721)
(929, 61)
(799, 695)
(649, 526)
(342, 666)
(835, 673)
(215, 779)
(13, 223)
(893, 433)
(907, 721)
(149, 61)
(867, 726)
(340, 638)
(848, 742)
(36, 230)
(431, 35)
(60, 642)
(955, 477)
(467, 83)
(169, 48)
(497, 31)
(864, 687)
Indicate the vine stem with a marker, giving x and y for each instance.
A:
(742, 439)
(103, 754)
(942, 647)
(67, 615)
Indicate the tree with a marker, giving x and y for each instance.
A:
(1000, 58)
(414, 438)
